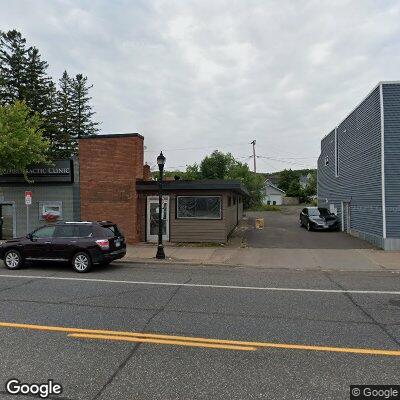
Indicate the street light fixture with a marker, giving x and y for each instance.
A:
(160, 248)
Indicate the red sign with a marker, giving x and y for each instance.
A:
(28, 198)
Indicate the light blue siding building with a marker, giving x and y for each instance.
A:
(359, 168)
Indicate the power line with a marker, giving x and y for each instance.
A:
(195, 148)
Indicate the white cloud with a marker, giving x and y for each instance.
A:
(204, 74)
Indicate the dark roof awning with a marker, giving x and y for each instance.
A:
(203, 184)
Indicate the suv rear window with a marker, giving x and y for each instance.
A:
(83, 230)
(67, 231)
(110, 231)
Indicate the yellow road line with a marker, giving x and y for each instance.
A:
(160, 341)
(185, 339)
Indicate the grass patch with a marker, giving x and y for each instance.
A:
(265, 207)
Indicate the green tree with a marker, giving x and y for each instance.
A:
(37, 85)
(294, 189)
(219, 165)
(254, 183)
(82, 112)
(286, 177)
(311, 188)
(216, 165)
(64, 144)
(13, 63)
(21, 138)
(192, 172)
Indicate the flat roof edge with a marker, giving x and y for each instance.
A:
(112, 136)
(364, 98)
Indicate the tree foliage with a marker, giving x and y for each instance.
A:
(216, 165)
(289, 181)
(21, 138)
(66, 113)
(219, 165)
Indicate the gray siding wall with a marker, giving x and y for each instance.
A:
(359, 165)
(198, 230)
(391, 106)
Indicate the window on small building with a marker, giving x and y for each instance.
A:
(199, 207)
(50, 211)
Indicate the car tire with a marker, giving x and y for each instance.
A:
(309, 228)
(301, 223)
(81, 262)
(13, 259)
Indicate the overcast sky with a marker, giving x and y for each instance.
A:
(194, 76)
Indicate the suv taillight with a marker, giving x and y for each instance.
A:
(104, 244)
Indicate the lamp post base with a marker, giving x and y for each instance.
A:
(160, 252)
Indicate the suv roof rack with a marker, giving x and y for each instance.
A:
(74, 222)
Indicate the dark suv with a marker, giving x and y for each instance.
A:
(83, 244)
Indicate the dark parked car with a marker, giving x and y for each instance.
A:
(83, 244)
(317, 218)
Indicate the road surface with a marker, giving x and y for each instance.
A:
(143, 332)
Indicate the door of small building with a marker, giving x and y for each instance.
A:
(152, 218)
(346, 217)
(6, 221)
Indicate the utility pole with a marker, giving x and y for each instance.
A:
(254, 154)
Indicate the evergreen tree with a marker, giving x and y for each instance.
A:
(66, 114)
(50, 123)
(82, 124)
(37, 83)
(13, 63)
(65, 144)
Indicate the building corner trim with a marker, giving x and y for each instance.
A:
(382, 161)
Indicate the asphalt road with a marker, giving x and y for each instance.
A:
(337, 310)
(282, 230)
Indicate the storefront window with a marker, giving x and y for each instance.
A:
(199, 207)
(50, 211)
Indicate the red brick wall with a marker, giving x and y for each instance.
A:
(146, 172)
(109, 168)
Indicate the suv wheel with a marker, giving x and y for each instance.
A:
(13, 259)
(308, 226)
(81, 262)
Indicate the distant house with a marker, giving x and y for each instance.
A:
(303, 180)
(359, 168)
(273, 195)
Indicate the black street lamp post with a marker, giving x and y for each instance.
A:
(160, 248)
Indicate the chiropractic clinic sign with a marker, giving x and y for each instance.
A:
(58, 171)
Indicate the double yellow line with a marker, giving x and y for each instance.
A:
(138, 337)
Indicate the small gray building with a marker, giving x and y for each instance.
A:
(359, 168)
(55, 197)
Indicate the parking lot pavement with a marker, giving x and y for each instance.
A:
(352, 312)
(282, 230)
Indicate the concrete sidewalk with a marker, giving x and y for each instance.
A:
(304, 259)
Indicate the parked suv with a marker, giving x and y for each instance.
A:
(83, 244)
